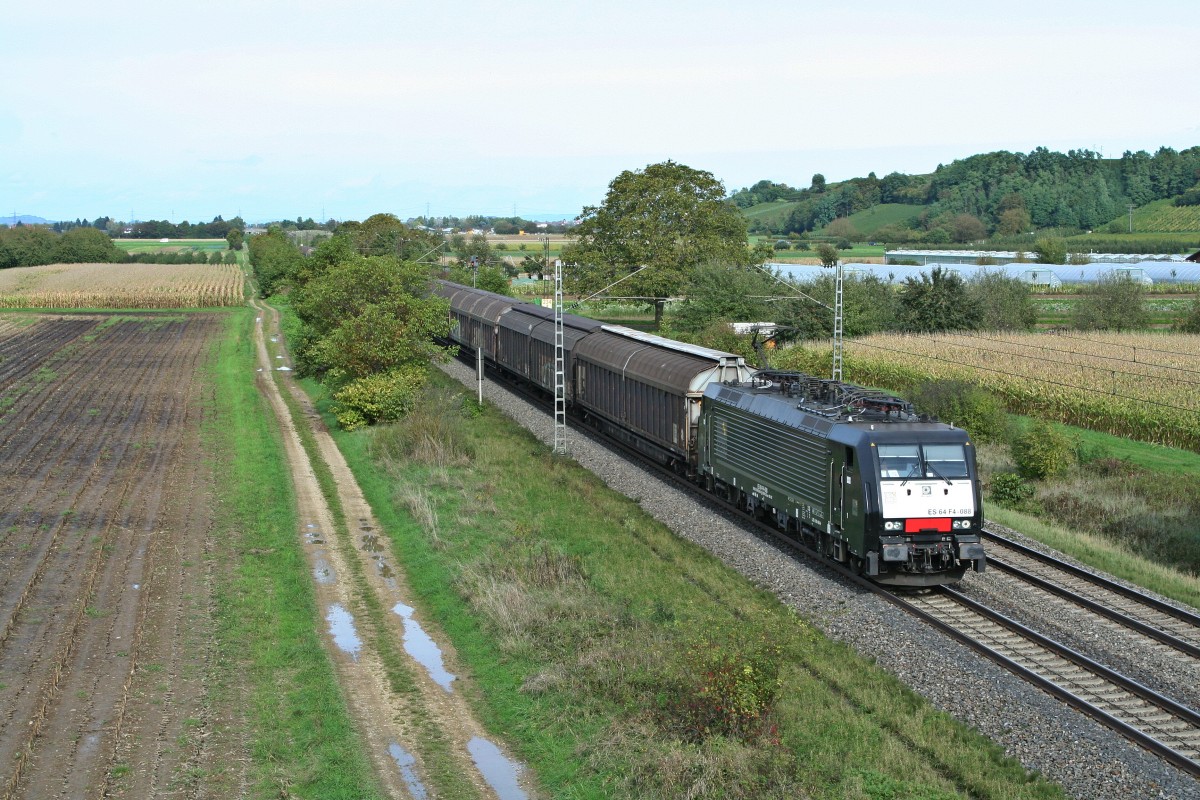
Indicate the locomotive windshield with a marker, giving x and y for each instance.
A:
(906, 461)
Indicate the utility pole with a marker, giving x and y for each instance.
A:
(1131, 217)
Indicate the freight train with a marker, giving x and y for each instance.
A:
(854, 473)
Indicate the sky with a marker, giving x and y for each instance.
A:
(276, 110)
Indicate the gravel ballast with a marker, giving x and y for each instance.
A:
(1088, 760)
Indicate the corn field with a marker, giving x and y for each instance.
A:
(121, 286)
(1140, 386)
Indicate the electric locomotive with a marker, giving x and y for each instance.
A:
(854, 472)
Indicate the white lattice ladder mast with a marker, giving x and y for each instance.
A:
(560, 374)
(837, 321)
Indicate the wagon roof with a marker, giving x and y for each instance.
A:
(671, 344)
(662, 367)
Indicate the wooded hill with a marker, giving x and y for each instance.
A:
(992, 194)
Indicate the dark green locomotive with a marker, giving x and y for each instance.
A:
(853, 472)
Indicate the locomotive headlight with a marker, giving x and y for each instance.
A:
(961, 524)
(893, 525)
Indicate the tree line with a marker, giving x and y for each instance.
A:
(35, 245)
(999, 193)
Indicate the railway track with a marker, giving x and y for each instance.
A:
(1153, 721)
(1176, 628)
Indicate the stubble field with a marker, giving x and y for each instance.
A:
(106, 642)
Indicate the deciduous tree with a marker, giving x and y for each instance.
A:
(828, 254)
(936, 302)
(86, 246)
(1051, 250)
(668, 218)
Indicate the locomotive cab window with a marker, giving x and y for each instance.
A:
(905, 461)
(899, 460)
(945, 461)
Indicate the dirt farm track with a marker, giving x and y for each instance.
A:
(105, 515)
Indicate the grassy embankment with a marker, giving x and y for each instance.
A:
(171, 246)
(1141, 489)
(620, 660)
(299, 730)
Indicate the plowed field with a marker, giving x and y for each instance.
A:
(106, 631)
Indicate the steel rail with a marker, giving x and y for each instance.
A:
(1184, 615)
(1098, 608)
(1130, 732)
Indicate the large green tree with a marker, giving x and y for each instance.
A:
(275, 260)
(368, 331)
(668, 218)
(86, 246)
(936, 302)
(27, 246)
(385, 234)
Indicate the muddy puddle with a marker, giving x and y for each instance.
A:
(500, 773)
(423, 649)
(341, 628)
(406, 763)
(323, 572)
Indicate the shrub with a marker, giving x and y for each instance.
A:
(1051, 250)
(783, 244)
(1010, 490)
(429, 434)
(1190, 323)
(383, 397)
(1043, 451)
(970, 407)
(736, 683)
(1114, 302)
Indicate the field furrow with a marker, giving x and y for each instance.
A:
(106, 636)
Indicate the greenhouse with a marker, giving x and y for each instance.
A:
(1051, 275)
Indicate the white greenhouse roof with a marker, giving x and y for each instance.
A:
(1155, 271)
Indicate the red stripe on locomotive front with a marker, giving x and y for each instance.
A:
(940, 524)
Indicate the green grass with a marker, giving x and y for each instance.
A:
(1102, 554)
(155, 246)
(1101, 241)
(857, 252)
(872, 219)
(1166, 460)
(580, 620)
(773, 215)
(300, 732)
